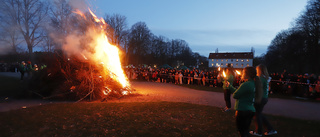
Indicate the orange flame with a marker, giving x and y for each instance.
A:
(105, 54)
(80, 13)
(238, 72)
(224, 74)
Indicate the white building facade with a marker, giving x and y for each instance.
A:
(236, 59)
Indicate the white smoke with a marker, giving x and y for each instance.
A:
(72, 44)
(79, 4)
(69, 39)
(5, 49)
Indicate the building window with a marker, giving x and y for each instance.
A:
(247, 60)
(231, 60)
(241, 65)
(231, 64)
(221, 64)
(226, 64)
(237, 60)
(226, 60)
(217, 60)
(242, 60)
(237, 64)
(222, 60)
(212, 60)
(212, 64)
(248, 65)
(217, 64)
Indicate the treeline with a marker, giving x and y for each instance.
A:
(297, 48)
(43, 24)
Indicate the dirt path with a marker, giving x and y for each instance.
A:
(275, 106)
(152, 91)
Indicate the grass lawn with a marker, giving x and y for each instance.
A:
(136, 119)
(11, 86)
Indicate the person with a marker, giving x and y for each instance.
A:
(29, 69)
(317, 88)
(180, 77)
(35, 67)
(22, 69)
(245, 96)
(176, 77)
(229, 78)
(259, 119)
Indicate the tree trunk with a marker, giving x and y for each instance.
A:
(30, 49)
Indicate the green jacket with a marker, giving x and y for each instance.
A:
(265, 87)
(228, 78)
(29, 68)
(22, 68)
(244, 96)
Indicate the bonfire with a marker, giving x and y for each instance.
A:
(91, 65)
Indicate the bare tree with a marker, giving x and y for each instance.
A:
(117, 29)
(48, 44)
(159, 48)
(60, 15)
(139, 42)
(309, 22)
(28, 16)
(10, 35)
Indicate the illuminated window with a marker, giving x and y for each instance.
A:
(237, 60)
(212, 60)
(237, 64)
(241, 65)
(221, 64)
(248, 65)
(247, 60)
(231, 64)
(222, 60)
(226, 64)
(227, 60)
(217, 60)
(242, 60)
(217, 64)
(212, 64)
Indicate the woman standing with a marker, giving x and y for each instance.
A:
(245, 96)
(260, 119)
(228, 78)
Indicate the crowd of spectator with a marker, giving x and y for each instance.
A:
(9, 67)
(302, 85)
(306, 85)
(191, 77)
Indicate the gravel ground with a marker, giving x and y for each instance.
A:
(152, 91)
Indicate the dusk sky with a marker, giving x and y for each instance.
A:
(229, 25)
